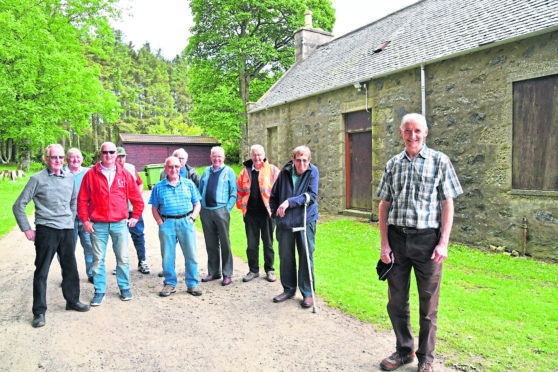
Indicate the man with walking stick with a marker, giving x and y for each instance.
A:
(294, 203)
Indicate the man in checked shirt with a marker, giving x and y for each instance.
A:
(415, 220)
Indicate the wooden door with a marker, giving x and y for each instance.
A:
(358, 142)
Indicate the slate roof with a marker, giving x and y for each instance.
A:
(427, 31)
(163, 139)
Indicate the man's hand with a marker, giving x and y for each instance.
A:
(282, 208)
(440, 253)
(385, 252)
(88, 226)
(30, 235)
(132, 222)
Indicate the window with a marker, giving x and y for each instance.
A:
(535, 134)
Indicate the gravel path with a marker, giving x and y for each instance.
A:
(234, 328)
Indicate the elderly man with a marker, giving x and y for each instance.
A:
(186, 171)
(218, 196)
(136, 231)
(297, 178)
(54, 193)
(415, 220)
(103, 210)
(175, 204)
(74, 158)
(254, 187)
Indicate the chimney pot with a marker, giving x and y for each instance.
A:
(308, 18)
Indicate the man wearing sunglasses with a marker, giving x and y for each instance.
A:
(103, 210)
(54, 193)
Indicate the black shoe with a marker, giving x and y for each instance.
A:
(38, 320)
(78, 306)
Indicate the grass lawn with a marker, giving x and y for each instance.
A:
(496, 313)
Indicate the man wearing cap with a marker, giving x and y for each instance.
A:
(415, 219)
(175, 204)
(54, 193)
(136, 231)
(103, 210)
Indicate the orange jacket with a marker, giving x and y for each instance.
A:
(266, 179)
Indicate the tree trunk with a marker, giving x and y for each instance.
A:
(244, 88)
(24, 160)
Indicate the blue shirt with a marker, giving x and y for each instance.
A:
(78, 177)
(415, 188)
(174, 200)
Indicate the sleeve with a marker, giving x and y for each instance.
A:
(240, 192)
(134, 195)
(232, 189)
(384, 188)
(73, 201)
(154, 198)
(195, 177)
(83, 197)
(274, 196)
(196, 197)
(21, 202)
(139, 181)
(450, 187)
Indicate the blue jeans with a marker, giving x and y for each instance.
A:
(138, 238)
(287, 240)
(185, 232)
(86, 244)
(118, 232)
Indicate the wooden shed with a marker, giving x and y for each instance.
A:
(145, 149)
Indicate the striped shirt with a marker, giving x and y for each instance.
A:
(174, 200)
(415, 188)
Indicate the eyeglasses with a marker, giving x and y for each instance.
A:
(173, 166)
(108, 152)
(57, 157)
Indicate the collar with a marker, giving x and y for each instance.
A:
(103, 168)
(51, 173)
(213, 170)
(424, 153)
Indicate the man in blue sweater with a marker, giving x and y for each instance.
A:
(298, 177)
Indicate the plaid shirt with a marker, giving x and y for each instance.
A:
(174, 200)
(416, 187)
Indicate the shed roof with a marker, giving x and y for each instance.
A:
(427, 31)
(167, 139)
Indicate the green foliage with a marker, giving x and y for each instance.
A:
(46, 86)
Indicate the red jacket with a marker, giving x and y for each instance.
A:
(96, 203)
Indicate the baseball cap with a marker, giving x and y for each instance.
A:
(120, 151)
(383, 268)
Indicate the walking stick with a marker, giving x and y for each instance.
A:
(303, 228)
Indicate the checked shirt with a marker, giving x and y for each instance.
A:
(415, 188)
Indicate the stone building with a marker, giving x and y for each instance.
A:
(484, 73)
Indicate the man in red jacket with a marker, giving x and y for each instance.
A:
(103, 210)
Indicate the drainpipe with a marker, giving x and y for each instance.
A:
(523, 236)
(423, 90)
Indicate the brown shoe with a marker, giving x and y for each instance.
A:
(167, 290)
(396, 360)
(425, 367)
(307, 302)
(211, 277)
(270, 276)
(194, 291)
(283, 297)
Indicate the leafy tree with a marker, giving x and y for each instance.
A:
(247, 39)
(47, 87)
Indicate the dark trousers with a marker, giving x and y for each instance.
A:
(48, 242)
(138, 237)
(256, 226)
(287, 240)
(413, 250)
(215, 225)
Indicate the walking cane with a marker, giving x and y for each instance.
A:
(303, 228)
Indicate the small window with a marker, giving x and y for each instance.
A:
(535, 134)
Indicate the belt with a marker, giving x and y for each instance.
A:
(412, 230)
(176, 217)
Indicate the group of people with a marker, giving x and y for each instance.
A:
(415, 219)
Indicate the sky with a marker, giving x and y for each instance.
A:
(165, 24)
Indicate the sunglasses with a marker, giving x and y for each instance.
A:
(57, 157)
(108, 152)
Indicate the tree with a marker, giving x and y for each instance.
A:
(46, 85)
(248, 39)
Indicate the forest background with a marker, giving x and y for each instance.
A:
(66, 76)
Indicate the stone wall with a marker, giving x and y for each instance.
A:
(469, 112)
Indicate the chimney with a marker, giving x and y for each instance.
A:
(307, 38)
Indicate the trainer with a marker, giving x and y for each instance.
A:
(254, 185)
(175, 204)
(298, 177)
(54, 193)
(415, 220)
